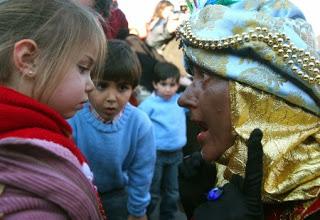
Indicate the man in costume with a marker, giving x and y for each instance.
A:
(255, 66)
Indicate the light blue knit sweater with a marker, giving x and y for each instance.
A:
(120, 154)
(169, 120)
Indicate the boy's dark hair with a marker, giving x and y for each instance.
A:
(122, 63)
(164, 70)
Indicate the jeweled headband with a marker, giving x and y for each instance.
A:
(265, 44)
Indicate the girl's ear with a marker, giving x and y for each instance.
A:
(24, 55)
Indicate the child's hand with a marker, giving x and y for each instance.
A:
(137, 218)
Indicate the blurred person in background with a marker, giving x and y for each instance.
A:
(117, 23)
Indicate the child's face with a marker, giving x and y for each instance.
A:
(166, 88)
(167, 12)
(72, 92)
(109, 98)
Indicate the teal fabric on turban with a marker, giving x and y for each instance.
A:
(267, 45)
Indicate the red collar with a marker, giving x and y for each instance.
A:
(24, 117)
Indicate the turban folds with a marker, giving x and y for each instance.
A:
(265, 44)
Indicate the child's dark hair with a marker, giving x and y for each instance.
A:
(122, 64)
(164, 70)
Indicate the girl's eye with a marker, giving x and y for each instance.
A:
(83, 69)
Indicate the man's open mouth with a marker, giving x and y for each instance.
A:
(203, 134)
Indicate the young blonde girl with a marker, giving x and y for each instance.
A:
(48, 50)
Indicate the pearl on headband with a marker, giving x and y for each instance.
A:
(301, 63)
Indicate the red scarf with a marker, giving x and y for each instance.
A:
(24, 117)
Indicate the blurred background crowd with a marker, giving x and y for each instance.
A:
(138, 18)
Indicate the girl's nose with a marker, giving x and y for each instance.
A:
(89, 85)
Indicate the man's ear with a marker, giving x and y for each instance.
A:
(24, 55)
(206, 77)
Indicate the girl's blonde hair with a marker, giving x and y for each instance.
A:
(62, 29)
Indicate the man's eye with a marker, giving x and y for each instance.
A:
(198, 75)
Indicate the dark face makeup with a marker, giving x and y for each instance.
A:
(208, 100)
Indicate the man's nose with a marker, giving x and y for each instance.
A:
(187, 98)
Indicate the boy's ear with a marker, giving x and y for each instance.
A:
(24, 55)
(154, 84)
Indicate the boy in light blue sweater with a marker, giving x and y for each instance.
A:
(169, 121)
(117, 138)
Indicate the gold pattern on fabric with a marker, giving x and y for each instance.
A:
(221, 64)
(264, 78)
(281, 5)
(220, 175)
(251, 23)
(238, 30)
(250, 4)
(291, 144)
(207, 16)
(204, 59)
